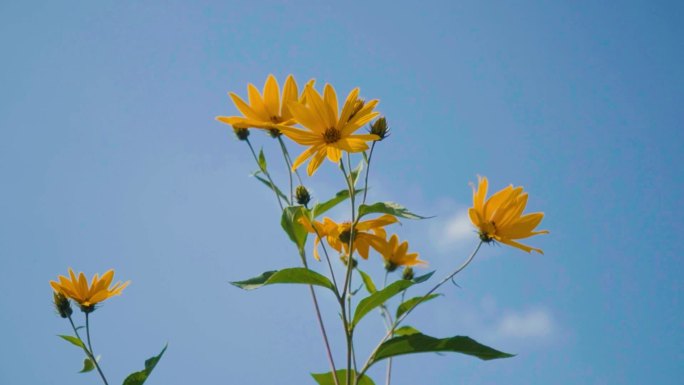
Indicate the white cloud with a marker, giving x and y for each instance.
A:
(455, 230)
(534, 323)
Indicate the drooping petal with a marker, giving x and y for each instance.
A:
(334, 154)
(316, 161)
(304, 156)
(520, 246)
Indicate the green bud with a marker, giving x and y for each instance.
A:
(302, 195)
(407, 274)
(380, 128)
(358, 105)
(344, 258)
(242, 133)
(62, 305)
(274, 132)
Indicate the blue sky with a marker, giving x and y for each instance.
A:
(110, 158)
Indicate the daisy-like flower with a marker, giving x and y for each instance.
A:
(264, 111)
(501, 218)
(329, 131)
(337, 234)
(396, 254)
(88, 296)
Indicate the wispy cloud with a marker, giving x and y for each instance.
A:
(534, 323)
(453, 231)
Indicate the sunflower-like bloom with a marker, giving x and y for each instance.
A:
(88, 296)
(338, 234)
(501, 216)
(329, 132)
(396, 254)
(264, 111)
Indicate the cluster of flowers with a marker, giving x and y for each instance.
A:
(328, 131)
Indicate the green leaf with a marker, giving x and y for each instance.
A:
(272, 187)
(138, 378)
(355, 173)
(368, 282)
(88, 365)
(299, 275)
(378, 298)
(74, 340)
(388, 208)
(295, 230)
(405, 331)
(413, 302)
(341, 374)
(340, 197)
(421, 343)
(423, 278)
(262, 161)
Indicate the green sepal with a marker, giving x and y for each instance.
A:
(73, 340)
(413, 302)
(295, 230)
(341, 374)
(388, 208)
(341, 196)
(296, 275)
(88, 365)
(421, 343)
(138, 378)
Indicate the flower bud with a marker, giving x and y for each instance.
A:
(241, 132)
(379, 128)
(302, 195)
(87, 309)
(62, 305)
(344, 258)
(407, 274)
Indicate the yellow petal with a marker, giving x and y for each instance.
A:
(307, 117)
(518, 245)
(316, 161)
(334, 154)
(348, 107)
(331, 99)
(257, 103)
(245, 108)
(290, 94)
(272, 96)
(304, 156)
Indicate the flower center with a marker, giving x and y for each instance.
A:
(331, 135)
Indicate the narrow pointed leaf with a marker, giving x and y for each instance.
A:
(262, 161)
(378, 298)
(73, 340)
(388, 208)
(421, 343)
(327, 378)
(268, 184)
(355, 173)
(295, 275)
(367, 282)
(290, 223)
(340, 197)
(413, 302)
(88, 365)
(138, 378)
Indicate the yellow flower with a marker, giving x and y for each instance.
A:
(500, 217)
(88, 296)
(264, 111)
(396, 254)
(337, 234)
(329, 132)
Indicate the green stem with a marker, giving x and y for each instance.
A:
(268, 175)
(88, 350)
(347, 282)
(287, 155)
(390, 333)
(365, 187)
(288, 165)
